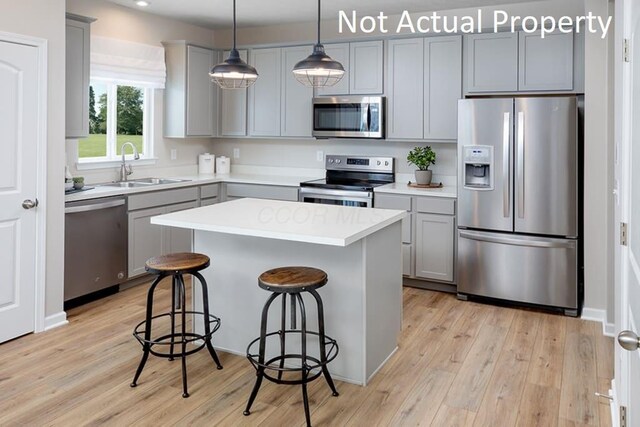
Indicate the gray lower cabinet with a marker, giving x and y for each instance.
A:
(428, 235)
(233, 108)
(147, 240)
(77, 76)
(434, 247)
(235, 191)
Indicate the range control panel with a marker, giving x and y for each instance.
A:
(359, 163)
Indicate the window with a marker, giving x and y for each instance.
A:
(117, 114)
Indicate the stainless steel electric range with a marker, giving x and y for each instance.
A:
(349, 181)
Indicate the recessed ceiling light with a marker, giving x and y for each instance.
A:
(142, 3)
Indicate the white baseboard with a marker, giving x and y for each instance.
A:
(599, 315)
(55, 320)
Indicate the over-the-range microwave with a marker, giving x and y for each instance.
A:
(348, 117)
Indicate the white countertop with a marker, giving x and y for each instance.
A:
(402, 187)
(299, 222)
(266, 179)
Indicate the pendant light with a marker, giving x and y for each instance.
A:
(233, 73)
(318, 69)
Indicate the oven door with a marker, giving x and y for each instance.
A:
(348, 117)
(362, 199)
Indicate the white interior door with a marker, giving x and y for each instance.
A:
(18, 173)
(627, 363)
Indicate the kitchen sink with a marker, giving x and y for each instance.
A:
(142, 182)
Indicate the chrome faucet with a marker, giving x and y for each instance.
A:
(125, 170)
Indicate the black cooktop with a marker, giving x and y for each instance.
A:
(352, 181)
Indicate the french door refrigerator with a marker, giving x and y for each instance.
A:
(519, 201)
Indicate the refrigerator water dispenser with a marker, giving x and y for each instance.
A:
(478, 167)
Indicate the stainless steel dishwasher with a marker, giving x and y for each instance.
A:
(95, 245)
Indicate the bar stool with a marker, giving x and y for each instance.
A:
(292, 281)
(176, 265)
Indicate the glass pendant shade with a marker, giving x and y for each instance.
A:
(233, 73)
(318, 69)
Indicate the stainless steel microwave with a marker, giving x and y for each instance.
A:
(348, 117)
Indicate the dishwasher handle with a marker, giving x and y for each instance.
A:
(94, 206)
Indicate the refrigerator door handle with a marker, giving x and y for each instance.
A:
(520, 164)
(492, 238)
(506, 188)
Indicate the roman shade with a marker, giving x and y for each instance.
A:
(127, 63)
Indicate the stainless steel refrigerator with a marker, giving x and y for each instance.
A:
(519, 201)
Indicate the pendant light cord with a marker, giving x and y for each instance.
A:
(318, 21)
(234, 24)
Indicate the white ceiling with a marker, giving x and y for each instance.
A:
(218, 13)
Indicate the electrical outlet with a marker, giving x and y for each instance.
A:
(236, 153)
(320, 156)
(174, 154)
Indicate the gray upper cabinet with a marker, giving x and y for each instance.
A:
(406, 83)
(77, 76)
(365, 68)
(340, 53)
(442, 86)
(492, 62)
(295, 97)
(264, 95)
(190, 96)
(233, 108)
(425, 83)
(545, 63)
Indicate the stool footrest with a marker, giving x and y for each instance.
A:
(331, 352)
(176, 338)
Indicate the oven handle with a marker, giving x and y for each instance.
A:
(336, 193)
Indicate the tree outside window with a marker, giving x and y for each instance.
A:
(116, 116)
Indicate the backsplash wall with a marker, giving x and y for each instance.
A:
(302, 153)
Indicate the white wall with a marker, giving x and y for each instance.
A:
(129, 24)
(45, 19)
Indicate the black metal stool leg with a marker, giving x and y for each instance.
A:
(303, 344)
(263, 342)
(147, 332)
(183, 354)
(283, 328)
(323, 352)
(174, 290)
(207, 326)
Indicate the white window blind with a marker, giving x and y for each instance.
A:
(127, 63)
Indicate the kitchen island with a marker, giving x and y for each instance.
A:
(358, 248)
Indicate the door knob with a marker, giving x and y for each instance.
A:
(628, 340)
(29, 204)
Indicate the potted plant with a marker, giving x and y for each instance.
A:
(422, 158)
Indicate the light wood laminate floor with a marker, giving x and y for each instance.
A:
(459, 363)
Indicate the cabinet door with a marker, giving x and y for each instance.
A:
(199, 92)
(546, 63)
(338, 52)
(296, 98)
(492, 62)
(264, 95)
(179, 239)
(77, 79)
(233, 116)
(442, 86)
(146, 240)
(406, 80)
(406, 259)
(365, 68)
(434, 247)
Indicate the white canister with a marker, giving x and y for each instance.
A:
(223, 165)
(206, 164)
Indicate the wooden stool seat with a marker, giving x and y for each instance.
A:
(178, 262)
(292, 279)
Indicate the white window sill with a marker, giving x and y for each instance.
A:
(89, 164)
